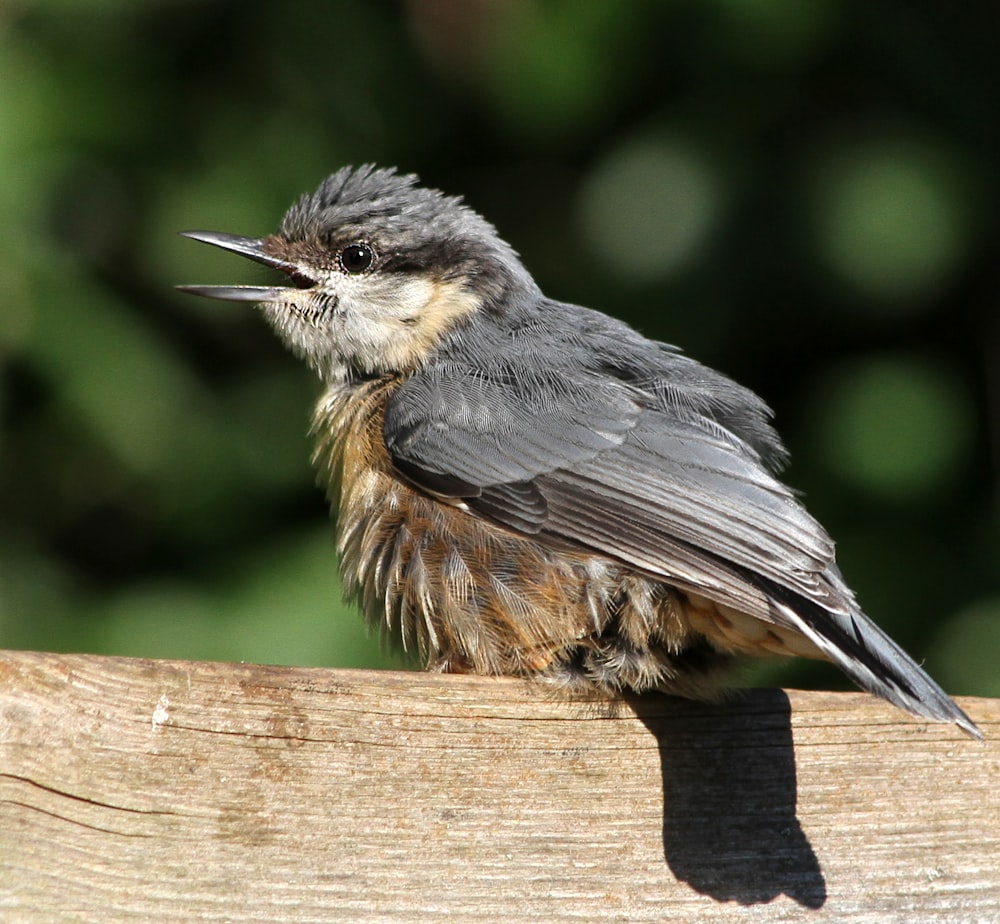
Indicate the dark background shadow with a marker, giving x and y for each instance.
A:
(729, 793)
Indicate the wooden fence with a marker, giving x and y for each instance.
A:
(168, 791)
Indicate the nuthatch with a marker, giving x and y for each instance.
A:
(533, 488)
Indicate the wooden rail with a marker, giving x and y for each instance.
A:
(166, 791)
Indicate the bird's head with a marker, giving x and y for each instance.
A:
(378, 271)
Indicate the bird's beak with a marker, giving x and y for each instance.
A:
(253, 249)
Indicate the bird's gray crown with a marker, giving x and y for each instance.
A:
(363, 195)
(411, 226)
(369, 200)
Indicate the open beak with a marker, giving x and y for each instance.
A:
(253, 249)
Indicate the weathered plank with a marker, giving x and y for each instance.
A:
(169, 791)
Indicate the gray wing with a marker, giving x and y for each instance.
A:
(506, 424)
(582, 456)
(658, 483)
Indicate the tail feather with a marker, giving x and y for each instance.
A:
(872, 660)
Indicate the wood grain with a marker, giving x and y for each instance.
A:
(165, 791)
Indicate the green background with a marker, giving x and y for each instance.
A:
(803, 195)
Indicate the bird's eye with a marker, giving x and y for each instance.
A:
(357, 258)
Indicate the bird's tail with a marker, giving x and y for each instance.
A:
(872, 660)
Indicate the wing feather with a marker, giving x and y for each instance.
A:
(665, 492)
(667, 472)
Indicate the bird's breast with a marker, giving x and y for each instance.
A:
(467, 593)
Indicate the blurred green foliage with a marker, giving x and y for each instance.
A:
(800, 194)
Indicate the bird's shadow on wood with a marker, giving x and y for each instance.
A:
(729, 793)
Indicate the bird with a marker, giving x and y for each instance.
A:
(527, 487)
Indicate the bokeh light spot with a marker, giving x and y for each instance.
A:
(647, 209)
(897, 427)
(964, 655)
(890, 217)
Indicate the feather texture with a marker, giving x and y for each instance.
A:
(655, 463)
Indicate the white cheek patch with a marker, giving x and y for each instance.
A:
(380, 324)
(387, 299)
